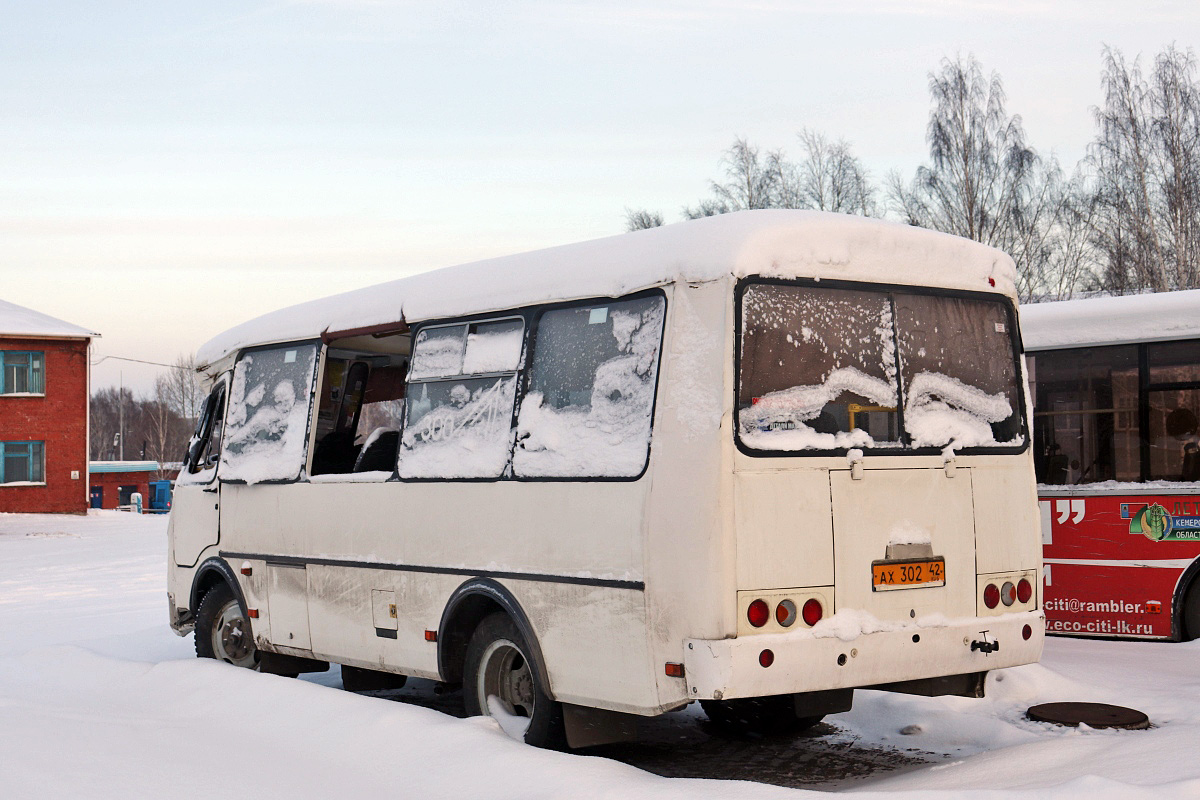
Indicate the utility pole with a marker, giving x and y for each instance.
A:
(121, 415)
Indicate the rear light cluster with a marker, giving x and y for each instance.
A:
(1007, 593)
(759, 613)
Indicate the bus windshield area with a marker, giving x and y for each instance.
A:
(832, 368)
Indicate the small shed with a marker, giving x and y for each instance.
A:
(114, 482)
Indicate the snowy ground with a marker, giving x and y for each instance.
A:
(98, 698)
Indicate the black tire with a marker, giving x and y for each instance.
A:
(1190, 613)
(498, 663)
(758, 716)
(223, 631)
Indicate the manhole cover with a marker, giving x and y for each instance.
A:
(1094, 715)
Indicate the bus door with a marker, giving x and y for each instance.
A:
(195, 517)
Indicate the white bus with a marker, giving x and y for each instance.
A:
(757, 460)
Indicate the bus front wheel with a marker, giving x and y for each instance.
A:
(1191, 612)
(498, 681)
(758, 716)
(222, 630)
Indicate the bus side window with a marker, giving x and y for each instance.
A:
(587, 409)
(459, 400)
(269, 403)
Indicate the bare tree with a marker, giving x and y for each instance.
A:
(981, 167)
(185, 388)
(640, 219)
(1145, 163)
(830, 178)
(751, 181)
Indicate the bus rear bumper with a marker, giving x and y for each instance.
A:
(717, 669)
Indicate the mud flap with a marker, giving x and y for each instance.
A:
(818, 704)
(587, 727)
(279, 664)
(966, 685)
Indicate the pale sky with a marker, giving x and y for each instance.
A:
(168, 170)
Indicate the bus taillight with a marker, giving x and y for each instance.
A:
(1008, 593)
(812, 612)
(1024, 590)
(991, 596)
(785, 613)
(758, 613)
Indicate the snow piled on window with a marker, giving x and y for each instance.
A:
(458, 429)
(437, 352)
(776, 421)
(494, 347)
(609, 434)
(267, 425)
(943, 410)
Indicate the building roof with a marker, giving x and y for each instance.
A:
(777, 243)
(18, 320)
(1098, 321)
(95, 467)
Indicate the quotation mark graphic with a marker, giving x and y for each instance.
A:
(1070, 508)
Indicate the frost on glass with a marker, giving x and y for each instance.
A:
(438, 352)
(818, 369)
(493, 347)
(958, 371)
(267, 424)
(461, 426)
(587, 410)
(458, 429)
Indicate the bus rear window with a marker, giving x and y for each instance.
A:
(827, 369)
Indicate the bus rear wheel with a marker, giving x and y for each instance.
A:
(758, 716)
(222, 630)
(498, 682)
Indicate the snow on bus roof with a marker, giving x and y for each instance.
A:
(1098, 321)
(18, 320)
(776, 243)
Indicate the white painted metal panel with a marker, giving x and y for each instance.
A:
(288, 591)
(866, 513)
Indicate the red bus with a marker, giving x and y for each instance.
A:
(1115, 384)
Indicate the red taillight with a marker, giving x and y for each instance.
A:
(252, 613)
(674, 670)
(1026, 632)
(785, 613)
(1008, 593)
(991, 596)
(812, 612)
(431, 636)
(1024, 591)
(758, 613)
(766, 658)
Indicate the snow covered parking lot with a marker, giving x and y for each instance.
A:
(98, 698)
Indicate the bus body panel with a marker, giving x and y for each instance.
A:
(785, 532)
(1005, 501)
(900, 505)
(1109, 571)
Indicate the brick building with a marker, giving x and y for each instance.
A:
(114, 482)
(44, 389)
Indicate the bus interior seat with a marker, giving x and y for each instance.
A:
(379, 454)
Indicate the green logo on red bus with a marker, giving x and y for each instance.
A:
(1153, 522)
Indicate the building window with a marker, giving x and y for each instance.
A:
(21, 372)
(22, 462)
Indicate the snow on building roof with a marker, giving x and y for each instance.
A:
(770, 243)
(18, 320)
(97, 467)
(1099, 321)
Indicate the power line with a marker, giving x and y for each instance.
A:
(136, 361)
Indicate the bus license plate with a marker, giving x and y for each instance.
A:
(914, 574)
